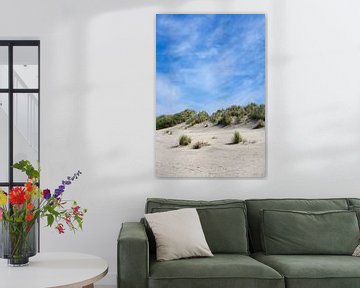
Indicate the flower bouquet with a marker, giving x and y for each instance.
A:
(21, 208)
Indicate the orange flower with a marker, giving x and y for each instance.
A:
(29, 187)
(29, 206)
(29, 217)
(27, 196)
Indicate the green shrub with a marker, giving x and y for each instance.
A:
(225, 120)
(184, 116)
(236, 111)
(258, 113)
(237, 138)
(198, 118)
(202, 117)
(250, 108)
(200, 144)
(166, 121)
(236, 114)
(216, 116)
(184, 140)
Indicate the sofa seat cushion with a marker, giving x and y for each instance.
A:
(314, 271)
(222, 270)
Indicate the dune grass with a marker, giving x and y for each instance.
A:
(184, 140)
(200, 144)
(237, 138)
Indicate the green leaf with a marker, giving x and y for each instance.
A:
(52, 211)
(28, 168)
(79, 221)
(21, 165)
(50, 219)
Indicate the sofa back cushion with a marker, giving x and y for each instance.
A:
(223, 221)
(353, 201)
(298, 232)
(255, 206)
(354, 205)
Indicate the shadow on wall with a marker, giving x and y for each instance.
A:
(73, 88)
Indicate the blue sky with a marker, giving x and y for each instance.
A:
(209, 61)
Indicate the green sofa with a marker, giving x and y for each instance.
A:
(233, 230)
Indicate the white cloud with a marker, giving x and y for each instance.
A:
(167, 95)
(207, 53)
(185, 35)
(165, 91)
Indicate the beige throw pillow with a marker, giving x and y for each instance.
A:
(357, 251)
(178, 234)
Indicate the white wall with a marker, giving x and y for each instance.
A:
(98, 105)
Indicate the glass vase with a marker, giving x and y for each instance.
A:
(18, 242)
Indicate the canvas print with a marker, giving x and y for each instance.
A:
(210, 95)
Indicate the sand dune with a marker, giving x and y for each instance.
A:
(220, 159)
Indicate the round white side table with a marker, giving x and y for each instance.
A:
(50, 270)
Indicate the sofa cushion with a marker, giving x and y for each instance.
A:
(354, 205)
(224, 222)
(254, 207)
(178, 234)
(314, 271)
(222, 270)
(297, 232)
(356, 209)
(353, 201)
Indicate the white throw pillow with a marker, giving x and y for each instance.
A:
(357, 251)
(178, 234)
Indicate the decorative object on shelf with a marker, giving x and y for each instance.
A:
(210, 84)
(21, 208)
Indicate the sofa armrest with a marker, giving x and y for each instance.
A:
(133, 256)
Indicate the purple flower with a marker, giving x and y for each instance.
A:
(58, 192)
(46, 194)
(64, 183)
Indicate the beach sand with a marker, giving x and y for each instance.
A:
(220, 159)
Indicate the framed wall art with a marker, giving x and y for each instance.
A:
(210, 95)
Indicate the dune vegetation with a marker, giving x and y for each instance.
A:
(236, 138)
(200, 144)
(184, 140)
(223, 117)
